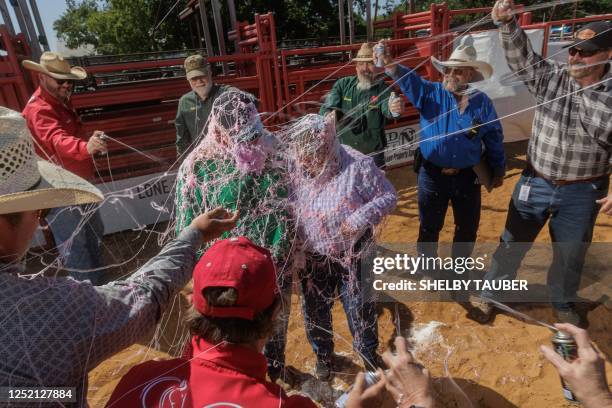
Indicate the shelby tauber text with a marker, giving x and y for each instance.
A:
(450, 285)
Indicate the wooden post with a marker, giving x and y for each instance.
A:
(6, 17)
(27, 19)
(233, 21)
(205, 28)
(351, 22)
(342, 21)
(216, 9)
(39, 25)
(368, 20)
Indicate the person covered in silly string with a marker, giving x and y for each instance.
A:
(234, 168)
(338, 195)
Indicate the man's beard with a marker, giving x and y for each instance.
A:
(61, 94)
(579, 70)
(65, 97)
(453, 85)
(364, 82)
(203, 91)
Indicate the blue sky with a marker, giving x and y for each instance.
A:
(50, 10)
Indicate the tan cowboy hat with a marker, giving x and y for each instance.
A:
(28, 183)
(55, 66)
(465, 56)
(365, 53)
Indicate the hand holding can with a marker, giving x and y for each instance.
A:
(502, 11)
(395, 105)
(97, 143)
(585, 376)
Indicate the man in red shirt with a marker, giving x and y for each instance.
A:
(60, 138)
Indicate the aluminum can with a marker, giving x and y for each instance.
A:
(566, 347)
(392, 98)
(503, 5)
(379, 50)
(371, 378)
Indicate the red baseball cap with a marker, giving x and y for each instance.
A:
(240, 264)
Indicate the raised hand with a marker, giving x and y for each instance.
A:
(214, 223)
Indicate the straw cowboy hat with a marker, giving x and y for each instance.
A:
(465, 56)
(365, 53)
(55, 66)
(28, 183)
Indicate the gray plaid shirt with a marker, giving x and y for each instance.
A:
(54, 331)
(571, 137)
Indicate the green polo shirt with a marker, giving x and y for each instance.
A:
(355, 104)
(261, 200)
(191, 117)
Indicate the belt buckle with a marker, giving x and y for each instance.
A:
(449, 171)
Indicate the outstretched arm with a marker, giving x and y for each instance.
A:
(530, 67)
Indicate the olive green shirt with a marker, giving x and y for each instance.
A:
(362, 113)
(191, 117)
(261, 200)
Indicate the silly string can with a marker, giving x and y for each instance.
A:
(379, 50)
(392, 98)
(371, 378)
(565, 346)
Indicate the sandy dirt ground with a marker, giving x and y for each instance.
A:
(496, 365)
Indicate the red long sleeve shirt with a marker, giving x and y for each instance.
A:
(58, 133)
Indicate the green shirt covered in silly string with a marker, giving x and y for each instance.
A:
(235, 167)
(261, 200)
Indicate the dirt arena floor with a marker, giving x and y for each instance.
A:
(496, 365)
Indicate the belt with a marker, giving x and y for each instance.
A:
(445, 171)
(534, 172)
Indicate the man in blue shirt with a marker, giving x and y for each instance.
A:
(456, 121)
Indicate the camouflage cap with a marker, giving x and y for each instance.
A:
(196, 65)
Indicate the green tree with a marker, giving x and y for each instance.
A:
(295, 19)
(543, 13)
(126, 26)
(72, 26)
(121, 26)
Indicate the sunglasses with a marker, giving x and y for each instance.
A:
(583, 53)
(456, 71)
(64, 81)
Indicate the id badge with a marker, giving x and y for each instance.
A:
(524, 193)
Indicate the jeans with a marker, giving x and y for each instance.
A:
(274, 349)
(78, 235)
(320, 282)
(571, 211)
(435, 190)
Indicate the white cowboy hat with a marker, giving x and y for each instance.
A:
(465, 56)
(54, 65)
(28, 183)
(365, 53)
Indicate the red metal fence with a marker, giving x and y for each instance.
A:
(135, 101)
(14, 91)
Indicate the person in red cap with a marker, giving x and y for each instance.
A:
(235, 306)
